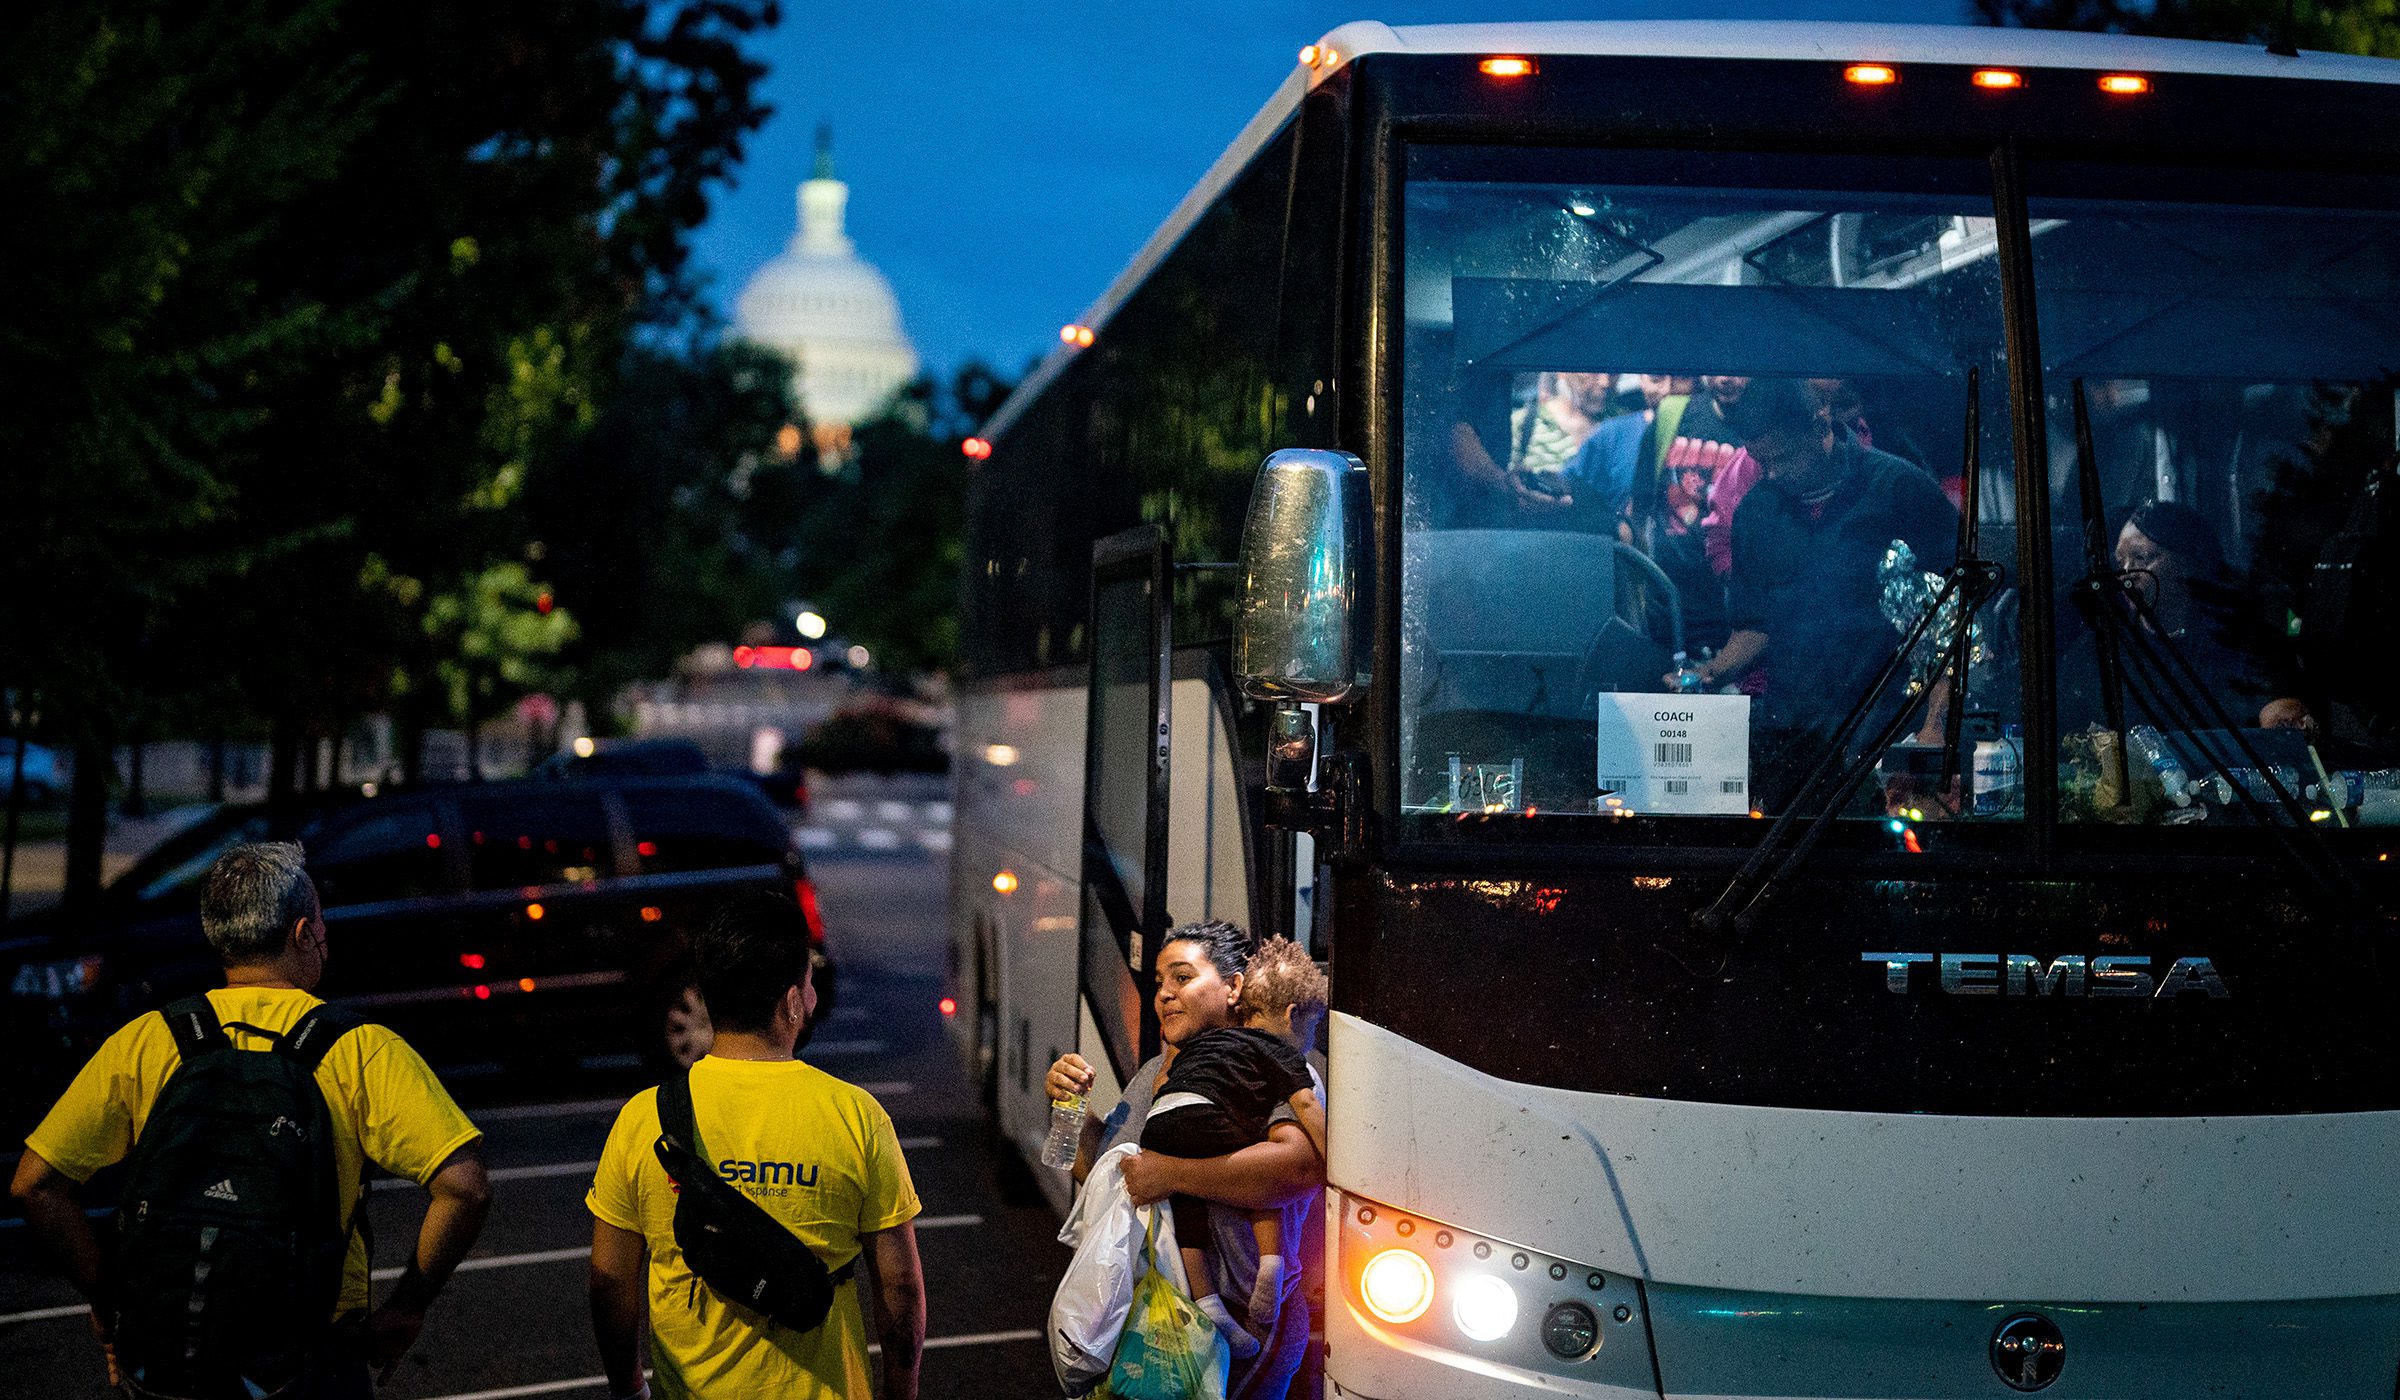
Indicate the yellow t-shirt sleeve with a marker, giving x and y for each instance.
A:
(615, 1197)
(891, 1196)
(92, 1124)
(411, 1126)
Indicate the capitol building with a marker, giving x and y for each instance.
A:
(832, 313)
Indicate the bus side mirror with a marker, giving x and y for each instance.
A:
(1298, 631)
(1296, 636)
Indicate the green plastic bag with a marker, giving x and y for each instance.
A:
(1169, 1349)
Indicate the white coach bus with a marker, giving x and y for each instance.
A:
(1464, 538)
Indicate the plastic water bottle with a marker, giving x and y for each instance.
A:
(2163, 761)
(1688, 678)
(1066, 1131)
(2000, 774)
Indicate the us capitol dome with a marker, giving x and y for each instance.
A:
(832, 313)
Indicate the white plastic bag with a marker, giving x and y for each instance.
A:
(1087, 1314)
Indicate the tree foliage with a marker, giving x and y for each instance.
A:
(881, 543)
(305, 301)
(2347, 26)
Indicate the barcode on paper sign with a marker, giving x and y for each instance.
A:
(1674, 753)
(1731, 787)
(1677, 787)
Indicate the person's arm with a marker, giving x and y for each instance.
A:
(1262, 1176)
(462, 1193)
(46, 1195)
(1740, 652)
(1312, 1118)
(899, 1307)
(620, 1305)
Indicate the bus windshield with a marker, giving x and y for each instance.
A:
(1683, 447)
(1683, 458)
(2236, 359)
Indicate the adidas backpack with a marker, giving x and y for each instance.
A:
(230, 1240)
(741, 1252)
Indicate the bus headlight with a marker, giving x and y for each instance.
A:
(1397, 1285)
(1484, 1307)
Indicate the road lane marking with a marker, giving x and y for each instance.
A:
(814, 838)
(500, 1261)
(934, 840)
(842, 809)
(919, 1144)
(488, 1262)
(971, 1339)
(533, 1173)
(515, 1392)
(845, 1047)
(45, 1314)
(578, 1108)
(875, 838)
(594, 1108)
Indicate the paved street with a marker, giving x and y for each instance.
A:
(512, 1323)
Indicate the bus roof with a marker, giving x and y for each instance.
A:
(1794, 40)
(1855, 43)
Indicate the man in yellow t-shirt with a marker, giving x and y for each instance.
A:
(818, 1154)
(260, 913)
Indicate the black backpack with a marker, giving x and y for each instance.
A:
(743, 1254)
(230, 1239)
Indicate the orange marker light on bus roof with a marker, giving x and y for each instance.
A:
(2124, 84)
(1308, 56)
(1998, 78)
(1508, 66)
(1871, 74)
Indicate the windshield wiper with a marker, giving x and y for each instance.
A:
(1837, 773)
(2090, 598)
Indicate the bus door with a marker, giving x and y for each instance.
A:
(1125, 792)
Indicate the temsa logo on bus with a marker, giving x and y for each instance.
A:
(2024, 975)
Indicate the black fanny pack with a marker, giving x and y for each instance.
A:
(741, 1253)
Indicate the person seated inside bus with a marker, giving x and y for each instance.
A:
(1216, 1098)
(2168, 555)
(1808, 542)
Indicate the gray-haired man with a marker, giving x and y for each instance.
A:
(382, 1103)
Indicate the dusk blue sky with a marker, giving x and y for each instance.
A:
(1006, 159)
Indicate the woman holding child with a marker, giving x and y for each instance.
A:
(1262, 1193)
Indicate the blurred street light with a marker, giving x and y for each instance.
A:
(811, 625)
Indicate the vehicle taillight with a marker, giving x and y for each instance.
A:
(806, 893)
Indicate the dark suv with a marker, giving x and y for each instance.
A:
(494, 924)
